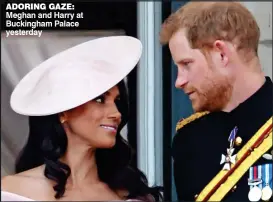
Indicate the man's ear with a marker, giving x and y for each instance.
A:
(224, 51)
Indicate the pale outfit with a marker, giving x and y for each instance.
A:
(8, 196)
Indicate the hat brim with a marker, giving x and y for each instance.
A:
(76, 76)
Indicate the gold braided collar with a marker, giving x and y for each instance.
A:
(191, 118)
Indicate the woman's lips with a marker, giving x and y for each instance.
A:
(111, 128)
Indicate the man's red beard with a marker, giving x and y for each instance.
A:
(213, 95)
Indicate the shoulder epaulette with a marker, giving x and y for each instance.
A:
(191, 118)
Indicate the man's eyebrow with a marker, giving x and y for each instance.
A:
(188, 59)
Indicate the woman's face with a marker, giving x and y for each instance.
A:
(97, 121)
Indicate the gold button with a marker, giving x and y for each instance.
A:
(196, 195)
(238, 141)
(234, 188)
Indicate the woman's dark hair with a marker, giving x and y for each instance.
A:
(47, 142)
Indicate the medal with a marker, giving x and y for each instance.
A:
(267, 191)
(229, 159)
(255, 194)
(255, 182)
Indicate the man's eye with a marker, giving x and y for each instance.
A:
(186, 63)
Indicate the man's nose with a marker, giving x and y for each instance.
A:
(181, 80)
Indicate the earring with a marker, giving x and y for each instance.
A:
(63, 120)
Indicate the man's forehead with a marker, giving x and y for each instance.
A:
(179, 38)
(179, 47)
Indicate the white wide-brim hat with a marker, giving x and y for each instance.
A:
(76, 76)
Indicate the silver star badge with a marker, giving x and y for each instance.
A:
(228, 159)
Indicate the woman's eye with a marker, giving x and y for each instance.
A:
(99, 100)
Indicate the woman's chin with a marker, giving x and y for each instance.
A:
(108, 144)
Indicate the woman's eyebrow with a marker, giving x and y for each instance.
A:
(107, 93)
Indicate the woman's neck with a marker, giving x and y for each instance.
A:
(82, 162)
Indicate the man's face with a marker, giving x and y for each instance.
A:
(204, 81)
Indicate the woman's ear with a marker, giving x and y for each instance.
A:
(63, 117)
